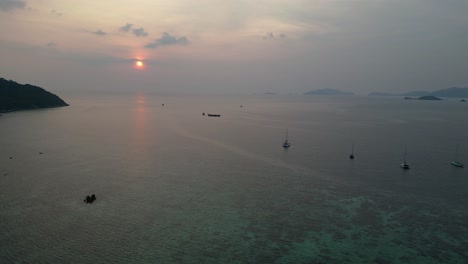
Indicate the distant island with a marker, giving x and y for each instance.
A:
(15, 96)
(429, 97)
(327, 92)
(426, 97)
(449, 92)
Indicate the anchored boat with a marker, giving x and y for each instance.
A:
(286, 144)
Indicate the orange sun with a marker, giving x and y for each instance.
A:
(139, 64)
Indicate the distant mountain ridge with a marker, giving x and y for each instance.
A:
(15, 96)
(449, 92)
(327, 92)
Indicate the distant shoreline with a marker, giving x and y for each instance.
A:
(26, 109)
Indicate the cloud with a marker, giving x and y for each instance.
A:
(55, 13)
(99, 33)
(126, 28)
(139, 32)
(165, 40)
(270, 35)
(7, 5)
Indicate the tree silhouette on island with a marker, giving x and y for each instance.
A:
(15, 96)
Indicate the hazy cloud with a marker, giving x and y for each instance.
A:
(270, 35)
(99, 33)
(126, 28)
(139, 32)
(360, 45)
(165, 40)
(56, 13)
(7, 5)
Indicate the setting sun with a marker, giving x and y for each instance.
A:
(139, 64)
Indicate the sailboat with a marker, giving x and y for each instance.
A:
(352, 152)
(455, 162)
(405, 165)
(286, 144)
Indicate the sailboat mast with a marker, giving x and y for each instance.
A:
(286, 143)
(352, 152)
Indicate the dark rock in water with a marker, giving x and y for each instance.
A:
(463, 100)
(11, 157)
(15, 96)
(90, 199)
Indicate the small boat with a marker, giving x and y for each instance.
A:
(286, 144)
(214, 115)
(352, 152)
(405, 165)
(455, 162)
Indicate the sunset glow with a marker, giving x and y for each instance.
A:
(219, 131)
(139, 64)
(248, 46)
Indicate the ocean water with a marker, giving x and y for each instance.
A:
(174, 186)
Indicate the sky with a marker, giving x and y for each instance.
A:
(235, 46)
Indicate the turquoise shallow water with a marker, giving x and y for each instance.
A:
(176, 187)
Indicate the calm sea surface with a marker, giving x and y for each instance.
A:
(174, 186)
